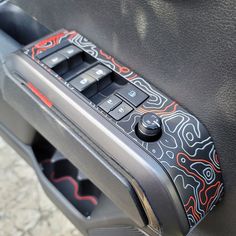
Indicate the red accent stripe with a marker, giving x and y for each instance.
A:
(43, 98)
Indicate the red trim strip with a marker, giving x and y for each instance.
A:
(43, 98)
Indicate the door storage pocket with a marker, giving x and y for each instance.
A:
(76, 188)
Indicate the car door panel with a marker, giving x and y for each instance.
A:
(185, 49)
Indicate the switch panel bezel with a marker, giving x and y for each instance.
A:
(185, 150)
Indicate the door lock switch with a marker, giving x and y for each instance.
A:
(121, 111)
(110, 103)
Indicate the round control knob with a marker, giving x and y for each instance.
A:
(149, 127)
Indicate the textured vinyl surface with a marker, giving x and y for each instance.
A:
(185, 48)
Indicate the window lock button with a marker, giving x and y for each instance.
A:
(133, 95)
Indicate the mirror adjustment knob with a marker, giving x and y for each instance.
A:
(149, 127)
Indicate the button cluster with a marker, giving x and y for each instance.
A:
(92, 80)
(62, 60)
(117, 107)
(70, 63)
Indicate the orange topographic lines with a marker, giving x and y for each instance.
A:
(165, 111)
(47, 43)
(122, 69)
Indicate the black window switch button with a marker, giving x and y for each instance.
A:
(85, 84)
(132, 94)
(54, 60)
(73, 54)
(102, 74)
(70, 51)
(110, 103)
(121, 111)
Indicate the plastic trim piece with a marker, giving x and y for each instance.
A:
(67, 139)
(135, 161)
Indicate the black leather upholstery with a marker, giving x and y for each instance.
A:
(185, 47)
